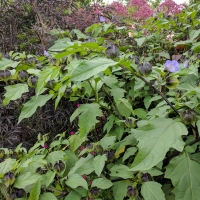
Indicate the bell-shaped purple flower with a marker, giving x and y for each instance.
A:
(186, 63)
(102, 19)
(46, 53)
(172, 66)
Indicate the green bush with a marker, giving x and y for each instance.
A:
(138, 116)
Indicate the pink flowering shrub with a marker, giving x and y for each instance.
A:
(141, 8)
(170, 7)
(118, 9)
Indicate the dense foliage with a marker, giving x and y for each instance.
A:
(135, 98)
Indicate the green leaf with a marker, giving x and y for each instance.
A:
(164, 54)
(73, 195)
(7, 165)
(140, 113)
(194, 34)
(60, 46)
(140, 41)
(107, 141)
(49, 177)
(55, 156)
(102, 183)
(76, 180)
(99, 162)
(87, 118)
(129, 152)
(75, 141)
(26, 179)
(5, 63)
(89, 68)
(79, 34)
(155, 139)
(109, 123)
(81, 163)
(124, 107)
(120, 189)
(35, 191)
(184, 174)
(30, 107)
(152, 191)
(47, 195)
(121, 171)
(117, 92)
(14, 92)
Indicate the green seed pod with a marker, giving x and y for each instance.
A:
(2, 153)
(23, 75)
(145, 68)
(51, 84)
(68, 92)
(80, 91)
(32, 81)
(130, 123)
(188, 116)
(171, 82)
(9, 178)
(178, 94)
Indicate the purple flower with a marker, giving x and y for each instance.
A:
(46, 53)
(102, 19)
(186, 63)
(172, 66)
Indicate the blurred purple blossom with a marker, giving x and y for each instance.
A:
(186, 63)
(46, 53)
(102, 19)
(172, 66)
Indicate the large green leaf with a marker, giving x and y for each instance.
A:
(73, 195)
(107, 141)
(35, 191)
(76, 180)
(26, 179)
(30, 107)
(102, 183)
(121, 171)
(7, 165)
(89, 68)
(152, 191)
(155, 139)
(75, 141)
(5, 63)
(99, 162)
(140, 41)
(120, 189)
(87, 118)
(14, 92)
(184, 174)
(47, 195)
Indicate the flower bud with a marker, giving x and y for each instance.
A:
(89, 146)
(13, 195)
(178, 94)
(130, 123)
(146, 177)
(23, 75)
(189, 116)
(171, 82)
(9, 178)
(32, 81)
(198, 56)
(190, 52)
(5, 75)
(68, 92)
(94, 192)
(110, 155)
(112, 51)
(145, 69)
(59, 166)
(131, 192)
(39, 170)
(20, 193)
